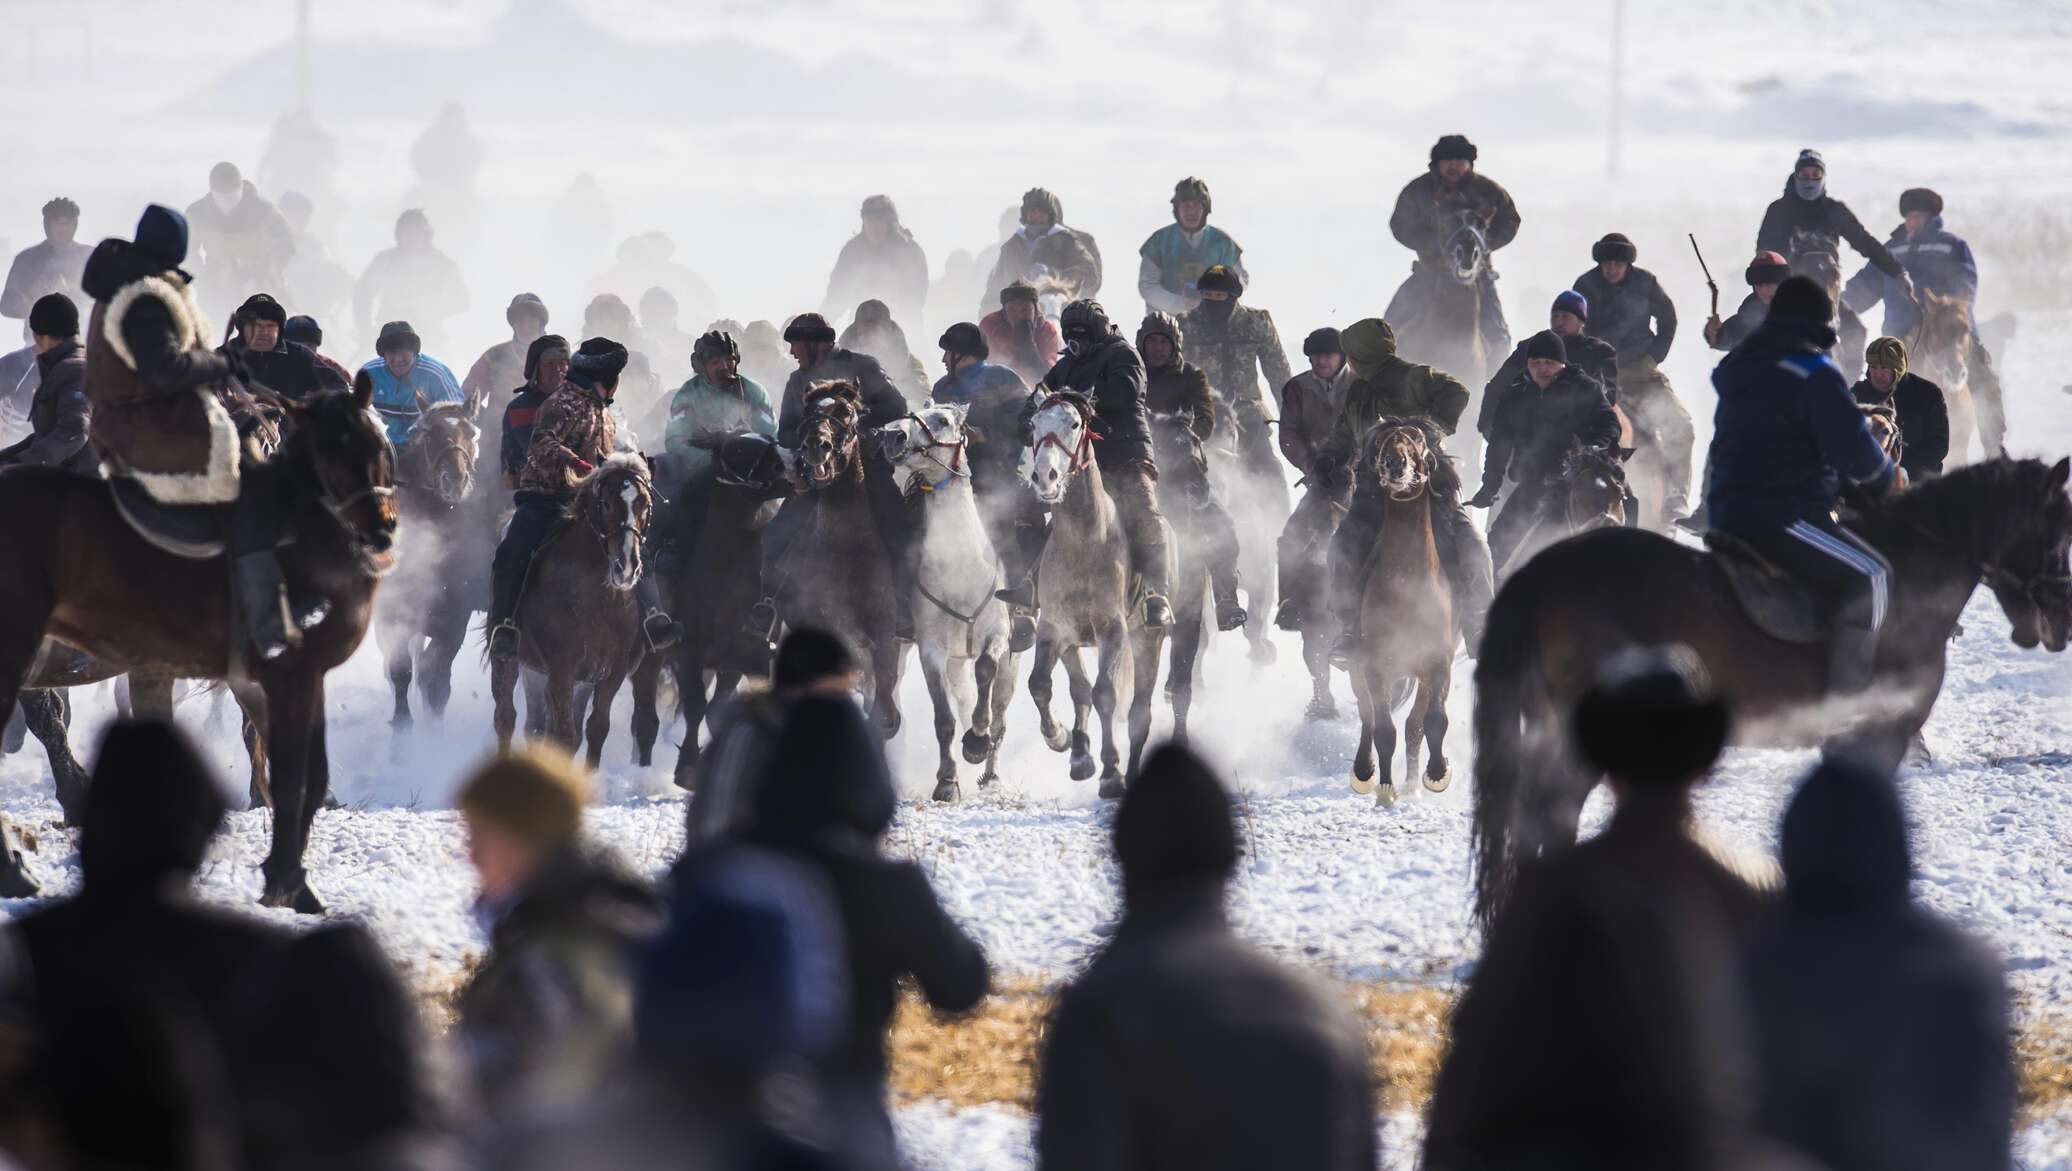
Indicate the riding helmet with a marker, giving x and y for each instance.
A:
(1194, 189)
(1086, 320)
(715, 344)
(1651, 716)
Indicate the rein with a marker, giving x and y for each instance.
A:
(1077, 458)
(376, 563)
(954, 468)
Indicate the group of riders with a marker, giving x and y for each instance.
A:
(151, 398)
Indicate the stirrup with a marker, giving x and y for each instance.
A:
(1021, 634)
(503, 640)
(1290, 615)
(1345, 648)
(661, 630)
(762, 618)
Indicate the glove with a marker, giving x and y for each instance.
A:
(1906, 286)
(1486, 498)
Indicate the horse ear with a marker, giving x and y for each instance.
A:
(423, 404)
(2060, 472)
(363, 390)
(472, 406)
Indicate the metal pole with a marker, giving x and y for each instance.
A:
(1617, 130)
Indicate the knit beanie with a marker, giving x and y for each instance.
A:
(1547, 344)
(304, 330)
(54, 315)
(1570, 301)
(535, 794)
(1801, 297)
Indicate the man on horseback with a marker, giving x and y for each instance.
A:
(1592, 356)
(994, 397)
(1175, 256)
(1938, 261)
(719, 400)
(50, 266)
(1387, 387)
(575, 432)
(1043, 248)
(59, 414)
(1310, 406)
(403, 373)
(1235, 344)
(1917, 406)
(271, 361)
(1807, 223)
(1764, 274)
(546, 365)
(1182, 409)
(500, 366)
(1629, 309)
(1104, 367)
(1026, 341)
(1787, 436)
(1552, 409)
(1449, 186)
(155, 391)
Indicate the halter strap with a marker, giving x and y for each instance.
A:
(1077, 458)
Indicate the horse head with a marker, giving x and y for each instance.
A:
(1941, 340)
(1464, 246)
(616, 501)
(928, 446)
(2029, 572)
(1884, 424)
(1595, 482)
(829, 434)
(336, 445)
(1401, 457)
(1061, 437)
(441, 450)
(1817, 257)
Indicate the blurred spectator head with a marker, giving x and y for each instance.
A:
(521, 808)
(1175, 829)
(150, 811)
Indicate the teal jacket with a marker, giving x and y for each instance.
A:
(699, 407)
(1172, 264)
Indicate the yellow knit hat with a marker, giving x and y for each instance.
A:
(535, 794)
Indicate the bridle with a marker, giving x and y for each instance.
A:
(374, 562)
(1076, 457)
(1422, 457)
(417, 456)
(956, 465)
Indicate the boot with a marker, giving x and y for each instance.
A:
(1230, 615)
(661, 630)
(1289, 616)
(903, 617)
(1021, 605)
(503, 641)
(263, 595)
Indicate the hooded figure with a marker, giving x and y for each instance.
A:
(880, 262)
(1881, 1030)
(1044, 252)
(1182, 1046)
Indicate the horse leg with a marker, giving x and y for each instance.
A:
(1438, 682)
(291, 704)
(1363, 756)
(445, 633)
(1383, 720)
(536, 726)
(1414, 725)
(885, 662)
(1003, 695)
(985, 678)
(1316, 656)
(561, 710)
(395, 651)
(932, 668)
(317, 780)
(1043, 664)
(503, 684)
(1109, 663)
(251, 708)
(151, 696)
(1186, 652)
(647, 678)
(690, 698)
(1082, 692)
(1140, 662)
(599, 725)
(44, 714)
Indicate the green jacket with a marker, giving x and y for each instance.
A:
(701, 408)
(1396, 389)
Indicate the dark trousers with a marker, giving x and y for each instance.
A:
(1459, 546)
(1853, 579)
(1134, 489)
(256, 518)
(536, 518)
(1508, 528)
(1191, 506)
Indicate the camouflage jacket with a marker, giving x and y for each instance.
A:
(573, 433)
(1234, 356)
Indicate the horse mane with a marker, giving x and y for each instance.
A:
(628, 462)
(1971, 505)
(1594, 459)
(1445, 474)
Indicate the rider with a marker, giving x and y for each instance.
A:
(273, 362)
(59, 414)
(1175, 256)
(1235, 344)
(1806, 219)
(1310, 405)
(1937, 261)
(994, 397)
(1630, 310)
(718, 400)
(1419, 223)
(881, 261)
(1593, 356)
(241, 241)
(546, 366)
(574, 433)
(1918, 406)
(501, 366)
(1786, 438)
(1182, 409)
(402, 372)
(154, 388)
(1044, 247)
(304, 330)
(51, 266)
(1388, 387)
(414, 279)
(1551, 409)
(1028, 342)
(1099, 363)
(1764, 274)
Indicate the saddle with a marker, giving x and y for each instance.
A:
(194, 532)
(1778, 603)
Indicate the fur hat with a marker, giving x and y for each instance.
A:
(1161, 324)
(547, 345)
(965, 338)
(151, 808)
(1547, 344)
(397, 335)
(262, 307)
(1453, 146)
(1651, 716)
(527, 302)
(1175, 826)
(1570, 301)
(1887, 352)
(1193, 189)
(1920, 199)
(1768, 268)
(1800, 297)
(809, 327)
(1038, 199)
(598, 362)
(1614, 246)
(54, 315)
(303, 329)
(1018, 290)
(1322, 341)
(535, 794)
(1221, 278)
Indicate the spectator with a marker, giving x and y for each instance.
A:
(548, 1018)
(810, 661)
(1182, 1046)
(1881, 1030)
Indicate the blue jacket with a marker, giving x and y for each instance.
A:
(1938, 260)
(1787, 433)
(395, 400)
(995, 397)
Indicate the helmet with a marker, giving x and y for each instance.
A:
(1158, 322)
(714, 345)
(1084, 320)
(1196, 189)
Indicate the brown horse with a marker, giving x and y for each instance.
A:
(1940, 349)
(579, 620)
(78, 573)
(1439, 317)
(2006, 522)
(1590, 493)
(1408, 627)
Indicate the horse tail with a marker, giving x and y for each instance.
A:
(1506, 668)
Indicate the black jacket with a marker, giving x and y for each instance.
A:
(1184, 1049)
(520, 415)
(290, 369)
(882, 402)
(1924, 421)
(1826, 218)
(1113, 375)
(1592, 355)
(1620, 313)
(59, 415)
(1182, 409)
(1534, 429)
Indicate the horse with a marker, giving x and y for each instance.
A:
(2007, 522)
(1818, 257)
(424, 615)
(1408, 625)
(1086, 597)
(1590, 493)
(1439, 320)
(960, 628)
(1940, 350)
(1258, 503)
(839, 570)
(578, 620)
(1883, 422)
(79, 574)
(1171, 444)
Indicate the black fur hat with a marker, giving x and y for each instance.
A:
(263, 307)
(1920, 199)
(809, 327)
(1453, 146)
(598, 362)
(1322, 341)
(1614, 246)
(1651, 716)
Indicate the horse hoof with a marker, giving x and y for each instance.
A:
(889, 725)
(1439, 783)
(306, 902)
(1363, 785)
(1320, 709)
(1112, 787)
(976, 748)
(1058, 740)
(948, 792)
(1083, 770)
(1388, 796)
(988, 781)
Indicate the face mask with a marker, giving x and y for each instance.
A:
(1809, 189)
(1218, 310)
(1076, 346)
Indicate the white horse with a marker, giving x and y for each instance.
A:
(960, 628)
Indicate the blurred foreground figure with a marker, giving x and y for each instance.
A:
(810, 661)
(1182, 1046)
(1610, 978)
(1881, 1030)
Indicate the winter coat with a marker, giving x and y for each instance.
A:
(420, 285)
(1744, 321)
(573, 433)
(1173, 259)
(1396, 389)
(521, 415)
(59, 416)
(882, 402)
(1924, 421)
(1233, 352)
(1309, 409)
(1183, 1048)
(238, 252)
(1787, 433)
(1033, 361)
(886, 342)
(39, 270)
(702, 407)
(1534, 429)
(1608, 979)
(1070, 255)
(395, 399)
(1182, 410)
(1423, 208)
(1939, 261)
(501, 367)
(1880, 1030)
(1593, 356)
(1113, 375)
(1791, 223)
(153, 385)
(1620, 314)
(548, 1017)
(290, 369)
(894, 271)
(995, 397)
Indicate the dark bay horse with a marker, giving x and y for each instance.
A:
(1408, 625)
(578, 618)
(2006, 522)
(1590, 493)
(1441, 319)
(79, 574)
